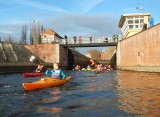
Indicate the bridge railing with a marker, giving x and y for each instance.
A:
(87, 40)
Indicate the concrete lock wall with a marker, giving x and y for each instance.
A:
(140, 52)
(50, 53)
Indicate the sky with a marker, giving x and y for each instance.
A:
(98, 18)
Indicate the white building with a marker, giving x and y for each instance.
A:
(131, 24)
(50, 36)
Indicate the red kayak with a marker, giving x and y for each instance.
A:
(34, 74)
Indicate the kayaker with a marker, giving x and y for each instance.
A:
(99, 68)
(56, 72)
(77, 68)
(39, 68)
(89, 67)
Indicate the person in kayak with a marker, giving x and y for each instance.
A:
(39, 68)
(56, 72)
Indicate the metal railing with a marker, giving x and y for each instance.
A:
(88, 40)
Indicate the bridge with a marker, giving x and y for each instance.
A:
(88, 42)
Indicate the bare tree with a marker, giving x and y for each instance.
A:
(36, 30)
(24, 34)
(40, 28)
(8, 39)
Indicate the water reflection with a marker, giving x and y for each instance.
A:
(139, 93)
(113, 94)
(53, 110)
(47, 104)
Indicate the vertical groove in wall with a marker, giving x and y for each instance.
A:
(57, 53)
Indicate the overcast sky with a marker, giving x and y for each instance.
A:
(98, 18)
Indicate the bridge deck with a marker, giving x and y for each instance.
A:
(90, 44)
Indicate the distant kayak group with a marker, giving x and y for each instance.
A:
(98, 68)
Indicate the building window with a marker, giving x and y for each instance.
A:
(130, 26)
(136, 26)
(129, 17)
(135, 22)
(141, 20)
(130, 21)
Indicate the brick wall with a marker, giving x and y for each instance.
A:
(50, 53)
(140, 52)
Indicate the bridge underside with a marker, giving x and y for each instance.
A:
(90, 45)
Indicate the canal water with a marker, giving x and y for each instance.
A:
(110, 94)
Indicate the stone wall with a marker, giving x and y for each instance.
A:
(140, 52)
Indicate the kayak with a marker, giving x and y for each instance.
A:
(98, 72)
(90, 70)
(34, 74)
(45, 82)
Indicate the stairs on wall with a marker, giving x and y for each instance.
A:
(12, 52)
(9, 53)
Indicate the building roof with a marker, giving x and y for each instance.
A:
(51, 32)
(123, 17)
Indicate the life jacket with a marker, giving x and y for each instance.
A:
(56, 73)
(38, 70)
